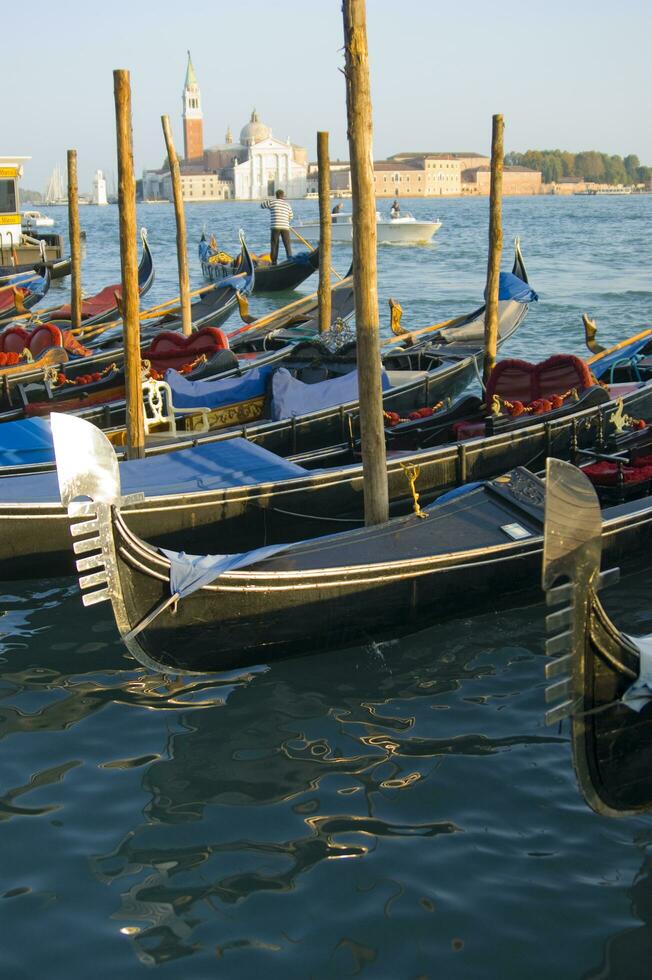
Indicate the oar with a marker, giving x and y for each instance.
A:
(312, 249)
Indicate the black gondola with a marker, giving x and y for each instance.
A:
(212, 308)
(269, 278)
(478, 549)
(602, 678)
(417, 375)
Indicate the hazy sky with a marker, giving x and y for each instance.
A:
(574, 75)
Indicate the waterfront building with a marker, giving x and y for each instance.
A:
(251, 169)
(516, 180)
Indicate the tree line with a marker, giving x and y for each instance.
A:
(600, 168)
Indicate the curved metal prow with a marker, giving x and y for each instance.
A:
(590, 333)
(86, 462)
(87, 467)
(572, 549)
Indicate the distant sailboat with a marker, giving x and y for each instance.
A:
(54, 192)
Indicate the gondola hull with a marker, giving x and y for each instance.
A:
(270, 278)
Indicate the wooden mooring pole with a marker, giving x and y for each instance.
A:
(129, 264)
(325, 232)
(75, 241)
(495, 246)
(180, 217)
(365, 286)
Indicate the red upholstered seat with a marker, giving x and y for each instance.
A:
(468, 430)
(44, 336)
(619, 391)
(604, 474)
(515, 380)
(560, 373)
(14, 340)
(173, 350)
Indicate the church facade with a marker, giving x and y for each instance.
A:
(252, 169)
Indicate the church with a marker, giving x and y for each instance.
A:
(252, 169)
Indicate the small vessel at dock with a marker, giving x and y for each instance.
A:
(21, 251)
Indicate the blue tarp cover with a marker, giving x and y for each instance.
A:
(511, 287)
(216, 394)
(293, 397)
(231, 463)
(189, 572)
(25, 441)
(604, 364)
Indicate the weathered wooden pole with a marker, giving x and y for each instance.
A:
(495, 246)
(180, 217)
(129, 264)
(75, 241)
(359, 131)
(325, 232)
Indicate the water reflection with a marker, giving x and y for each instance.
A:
(321, 746)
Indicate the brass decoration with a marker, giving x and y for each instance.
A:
(412, 475)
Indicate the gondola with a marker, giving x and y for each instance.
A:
(75, 384)
(215, 265)
(103, 306)
(104, 344)
(602, 678)
(477, 548)
(310, 402)
(20, 293)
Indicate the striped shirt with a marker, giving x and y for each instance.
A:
(280, 212)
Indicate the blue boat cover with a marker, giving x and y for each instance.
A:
(26, 441)
(212, 466)
(511, 287)
(205, 251)
(293, 397)
(189, 572)
(216, 394)
(601, 365)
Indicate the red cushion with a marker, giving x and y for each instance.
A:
(511, 379)
(468, 430)
(14, 340)
(173, 350)
(605, 474)
(559, 374)
(44, 336)
(516, 380)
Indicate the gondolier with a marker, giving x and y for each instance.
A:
(280, 217)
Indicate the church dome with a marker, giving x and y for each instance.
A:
(254, 131)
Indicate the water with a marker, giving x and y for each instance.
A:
(397, 810)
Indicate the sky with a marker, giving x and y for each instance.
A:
(572, 75)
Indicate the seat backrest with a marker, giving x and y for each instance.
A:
(14, 340)
(44, 336)
(157, 402)
(560, 373)
(512, 380)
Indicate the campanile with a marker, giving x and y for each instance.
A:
(193, 117)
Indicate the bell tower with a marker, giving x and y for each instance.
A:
(193, 117)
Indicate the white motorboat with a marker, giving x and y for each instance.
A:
(405, 230)
(34, 219)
